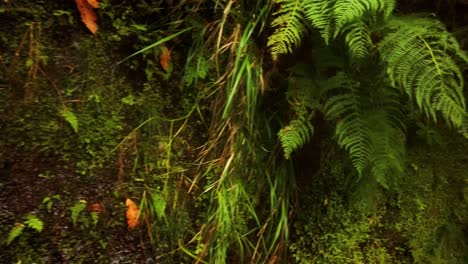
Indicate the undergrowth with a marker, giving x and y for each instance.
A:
(207, 114)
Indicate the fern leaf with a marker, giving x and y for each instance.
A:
(76, 210)
(420, 56)
(320, 14)
(295, 135)
(35, 223)
(332, 17)
(388, 157)
(352, 130)
(15, 232)
(290, 27)
(369, 126)
(350, 11)
(70, 117)
(358, 40)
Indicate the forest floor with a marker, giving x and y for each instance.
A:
(30, 185)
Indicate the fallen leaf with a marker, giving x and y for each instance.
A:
(132, 214)
(88, 16)
(93, 3)
(164, 58)
(95, 207)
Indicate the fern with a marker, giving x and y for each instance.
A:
(369, 126)
(70, 117)
(76, 210)
(346, 12)
(15, 232)
(295, 135)
(333, 18)
(320, 14)
(290, 27)
(416, 54)
(353, 132)
(420, 56)
(358, 40)
(304, 95)
(34, 223)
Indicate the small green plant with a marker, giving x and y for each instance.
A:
(71, 118)
(32, 223)
(76, 210)
(49, 201)
(78, 214)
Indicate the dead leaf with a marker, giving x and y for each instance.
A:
(95, 207)
(93, 3)
(164, 58)
(132, 214)
(88, 16)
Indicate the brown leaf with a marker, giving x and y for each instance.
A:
(95, 207)
(164, 58)
(132, 214)
(88, 16)
(94, 3)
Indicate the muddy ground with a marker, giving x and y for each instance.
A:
(27, 182)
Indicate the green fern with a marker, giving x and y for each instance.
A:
(353, 131)
(76, 210)
(34, 223)
(70, 117)
(290, 27)
(304, 96)
(333, 18)
(15, 232)
(347, 12)
(320, 14)
(358, 40)
(369, 126)
(420, 56)
(295, 135)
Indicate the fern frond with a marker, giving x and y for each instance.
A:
(349, 18)
(15, 232)
(358, 40)
(35, 223)
(464, 128)
(76, 210)
(290, 27)
(295, 135)
(350, 11)
(320, 15)
(369, 127)
(389, 150)
(70, 117)
(352, 130)
(420, 56)
(331, 17)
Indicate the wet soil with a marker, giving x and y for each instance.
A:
(26, 182)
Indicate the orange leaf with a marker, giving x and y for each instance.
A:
(94, 3)
(88, 16)
(132, 214)
(95, 207)
(164, 58)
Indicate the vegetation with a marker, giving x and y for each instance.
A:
(288, 131)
